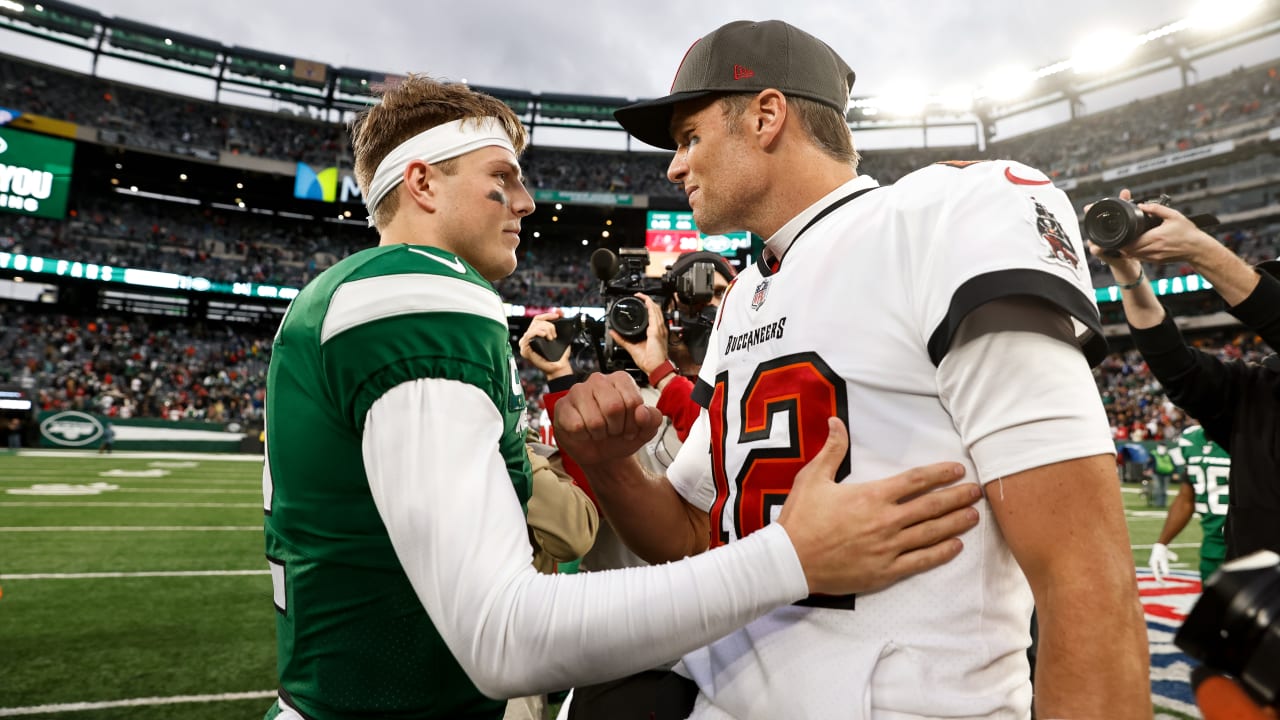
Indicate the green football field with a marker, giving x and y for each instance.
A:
(135, 587)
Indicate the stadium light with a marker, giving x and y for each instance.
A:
(12, 6)
(958, 98)
(1219, 14)
(908, 99)
(1007, 84)
(1103, 51)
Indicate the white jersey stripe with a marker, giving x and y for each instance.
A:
(362, 301)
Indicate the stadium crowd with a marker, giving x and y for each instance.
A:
(139, 367)
(166, 368)
(161, 369)
(1137, 406)
(1223, 108)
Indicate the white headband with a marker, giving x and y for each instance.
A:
(439, 143)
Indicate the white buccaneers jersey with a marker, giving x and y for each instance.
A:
(853, 322)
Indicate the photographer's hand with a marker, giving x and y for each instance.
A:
(1177, 239)
(650, 352)
(542, 327)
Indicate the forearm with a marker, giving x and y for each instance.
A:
(1065, 525)
(459, 535)
(1261, 310)
(652, 519)
(1141, 306)
(1232, 277)
(1093, 659)
(1177, 519)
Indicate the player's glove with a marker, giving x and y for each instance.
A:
(1159, 560)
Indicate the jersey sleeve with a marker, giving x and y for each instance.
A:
(418, 319)
(995, 230)
(460, 536)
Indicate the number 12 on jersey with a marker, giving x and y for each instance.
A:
(799, 390)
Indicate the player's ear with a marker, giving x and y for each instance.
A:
(768, 112)
(421, 185)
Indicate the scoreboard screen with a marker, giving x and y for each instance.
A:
(674, 232)
(35, 173)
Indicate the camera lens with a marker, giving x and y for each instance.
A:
(1112, 224)
(629, 317)
(1235, 625)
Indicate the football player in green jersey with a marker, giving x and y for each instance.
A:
(396, 475)
(1206, 467)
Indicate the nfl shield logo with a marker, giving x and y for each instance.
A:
(761, 290)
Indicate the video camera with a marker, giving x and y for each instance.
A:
(1234, 627)
(621, 276)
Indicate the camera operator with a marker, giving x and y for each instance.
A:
(1237, 403)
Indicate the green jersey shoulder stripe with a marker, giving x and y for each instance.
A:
(357, 302)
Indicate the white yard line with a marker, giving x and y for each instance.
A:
(133, 702)
(128, 455)
(143, 574)
(1171, 545)
(131, 528)
(129, 504)
(201, 491)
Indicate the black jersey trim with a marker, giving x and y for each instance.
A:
(284, 571)
(982, 289)
(287, 698)
(766, 271)
(702, 393)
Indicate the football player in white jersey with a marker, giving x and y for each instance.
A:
(949, 316)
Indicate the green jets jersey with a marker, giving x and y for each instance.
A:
(1208, 467)
(353, 639)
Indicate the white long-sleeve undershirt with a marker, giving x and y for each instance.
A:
(431, 454)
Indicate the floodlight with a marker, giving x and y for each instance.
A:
(1103, 51)
(1219, 14)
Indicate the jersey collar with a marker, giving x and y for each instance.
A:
(776, 246)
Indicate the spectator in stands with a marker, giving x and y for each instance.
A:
(394, 498)
(1237, 403)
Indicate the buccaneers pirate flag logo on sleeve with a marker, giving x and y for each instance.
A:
(1060, 247)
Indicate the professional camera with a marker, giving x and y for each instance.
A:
(621, 277)
(1113, 223)
(1234, 627)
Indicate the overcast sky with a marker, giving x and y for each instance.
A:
(632, 48)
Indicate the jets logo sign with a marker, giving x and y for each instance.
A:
(71, 429)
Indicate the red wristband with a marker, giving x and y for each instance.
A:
(660, 373)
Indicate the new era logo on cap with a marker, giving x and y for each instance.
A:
(745, 57)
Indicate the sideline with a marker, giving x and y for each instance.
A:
(142, 574)
(134, 702)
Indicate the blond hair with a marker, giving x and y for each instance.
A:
(413, 106)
